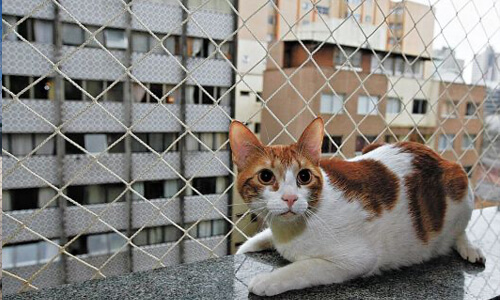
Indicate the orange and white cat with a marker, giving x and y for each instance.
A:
(394, 206)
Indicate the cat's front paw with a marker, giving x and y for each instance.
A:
(268, 284)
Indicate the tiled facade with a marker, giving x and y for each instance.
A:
(86, 120)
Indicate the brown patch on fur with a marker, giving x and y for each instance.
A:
(368, 181)
(371, 147)
(432, 180)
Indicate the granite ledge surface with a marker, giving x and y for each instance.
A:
(447, 277)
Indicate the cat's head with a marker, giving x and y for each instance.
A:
(282, 180)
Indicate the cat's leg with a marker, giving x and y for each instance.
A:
(307, 273)
(468, 251)
(259, 242)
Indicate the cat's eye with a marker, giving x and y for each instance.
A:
(304, 177)
(266, 176)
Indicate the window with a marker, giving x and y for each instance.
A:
(367, 105)
(157, 141)
(114, 94)
(27, 254)
(207, 140)
(257, 128)
(221, 139)
(140, 42)
(331, 103)
(153, 190)
(221, 185)
(22, 144)
(205, 185)
(44, 89)
(353, 57)
(157, 235)
(96, 194)
(44, 31)
(328, 146)
(419, 106)
(97, 244)
(446, 142)
(99, 37)
(71, 92)
(208, 228)
(399, 66)
(393, 105)
(171, 188)
(361, 142)
(115, 38)
(33, 30)
(195, 95)
(73, 35)
(470, 110)
(95, 143)
(244, 93)
(449, 110)
(468, 141)
(18, 83)
(22, 199)
(388, 65)
(157, 90)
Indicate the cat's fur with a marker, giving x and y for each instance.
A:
(394, 206)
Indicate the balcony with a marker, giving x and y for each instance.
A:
(44, 166)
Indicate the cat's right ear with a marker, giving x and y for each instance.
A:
(243, 142)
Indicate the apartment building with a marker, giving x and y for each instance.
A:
(370, 92)
(158, 200)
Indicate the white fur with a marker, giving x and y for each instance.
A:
(339, 243)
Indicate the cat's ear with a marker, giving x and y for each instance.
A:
(311, 140)
(243, 142)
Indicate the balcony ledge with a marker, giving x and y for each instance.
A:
(448, 277)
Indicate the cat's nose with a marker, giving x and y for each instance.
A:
(289, 199)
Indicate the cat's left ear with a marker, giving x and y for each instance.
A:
(311, 140)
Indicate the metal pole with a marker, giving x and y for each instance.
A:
(234, 61)
(60, 142)
(183, 145)
(127, 107)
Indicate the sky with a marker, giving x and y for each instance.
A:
(480, 19)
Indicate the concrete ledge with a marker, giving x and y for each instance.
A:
(447, 277)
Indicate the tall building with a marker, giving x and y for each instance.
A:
(446, 66)
(185, 73)
(486, 70)
(486, 66)
(371, 91)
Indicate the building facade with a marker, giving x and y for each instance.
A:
(183, 71)
(380, 91)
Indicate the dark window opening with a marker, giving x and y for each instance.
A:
(71, 92)
(153, 189)
(419, 106)
(205, 185)
(24, 199)
(328, 146)
(78, 139)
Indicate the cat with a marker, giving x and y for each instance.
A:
(335, 220)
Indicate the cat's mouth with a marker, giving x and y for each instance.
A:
(288, 214)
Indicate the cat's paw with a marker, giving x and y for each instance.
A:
(268, 284)
(469, 252)
(472, 254)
